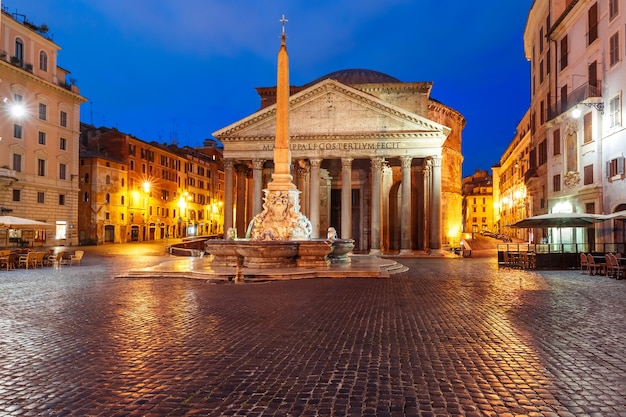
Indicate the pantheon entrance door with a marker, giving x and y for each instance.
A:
(335, 214)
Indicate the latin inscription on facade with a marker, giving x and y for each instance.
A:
(335, 146)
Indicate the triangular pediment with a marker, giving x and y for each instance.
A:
(330, 108)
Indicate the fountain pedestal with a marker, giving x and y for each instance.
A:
(341, 249)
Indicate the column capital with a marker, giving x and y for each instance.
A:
(258, 163)
(436, 160)
(315, 162)
(377, 163)
(346, 162)
(406, 161)
(229, 163)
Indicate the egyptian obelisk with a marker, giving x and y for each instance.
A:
(281, 218)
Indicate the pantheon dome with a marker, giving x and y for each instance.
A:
(357, 76)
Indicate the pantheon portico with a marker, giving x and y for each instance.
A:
(373, 157)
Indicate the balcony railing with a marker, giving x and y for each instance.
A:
(580, 95)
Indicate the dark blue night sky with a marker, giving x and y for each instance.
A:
(163, 69)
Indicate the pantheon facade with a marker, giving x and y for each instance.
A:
(376, 158)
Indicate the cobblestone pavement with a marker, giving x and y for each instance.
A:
(447, 338)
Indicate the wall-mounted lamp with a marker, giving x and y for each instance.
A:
(519, 161)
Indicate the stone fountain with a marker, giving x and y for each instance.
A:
(279, 236)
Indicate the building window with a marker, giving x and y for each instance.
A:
(86, 178)
(63, 119)
(19, 50)
(615, 167)
(17, 131)
(556, 183)
(122, 200)
(43, 61)
(40, 198)
(86, 197)
(62, 171)
(107, 198)
(613, 9)
(107, 179)
(107, 216)
(592, 18)
(17, 162)
(17, 195)
(42, 138)
(588, 128)
(543, 153)
(588, 174)
(43, 111)
(615, 111)
(41, 167)
(614, 49)
(564, 52)
(556, 142)
(61, 199)
(63, 144)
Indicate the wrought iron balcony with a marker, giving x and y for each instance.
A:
(587, 94)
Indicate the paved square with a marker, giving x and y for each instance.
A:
(449, 337)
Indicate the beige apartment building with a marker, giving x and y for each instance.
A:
(478, 206)
(132, 190)
(512, 201)
(578, 74)
(39, 131)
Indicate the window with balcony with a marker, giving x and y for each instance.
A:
(614, 56)
(556, 183)
(19, 51)
(588, 174)
(592, 19)
(615, 111)
(43, 111)
(588, 128)
(43, 61)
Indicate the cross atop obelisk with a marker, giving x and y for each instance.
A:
(281, 178)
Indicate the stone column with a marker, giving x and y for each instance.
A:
(240, 220)
(346, 198)
(314, 197)
(257, 178)
(376, 221)
(435, 219)
(228, 194)
(405, 205)
(418, 211)
(427, 202)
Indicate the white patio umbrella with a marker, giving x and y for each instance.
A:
(14, 222)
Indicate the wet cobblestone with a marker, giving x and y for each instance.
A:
(447, 338)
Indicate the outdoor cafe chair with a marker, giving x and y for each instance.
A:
(584, 264)
(613, 266)
(595, 267)
(28, 260)
(39, 258)
(77, 257)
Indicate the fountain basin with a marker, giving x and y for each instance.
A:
(224, 251)
(268, 253)
(341, 249)
(313, 253)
